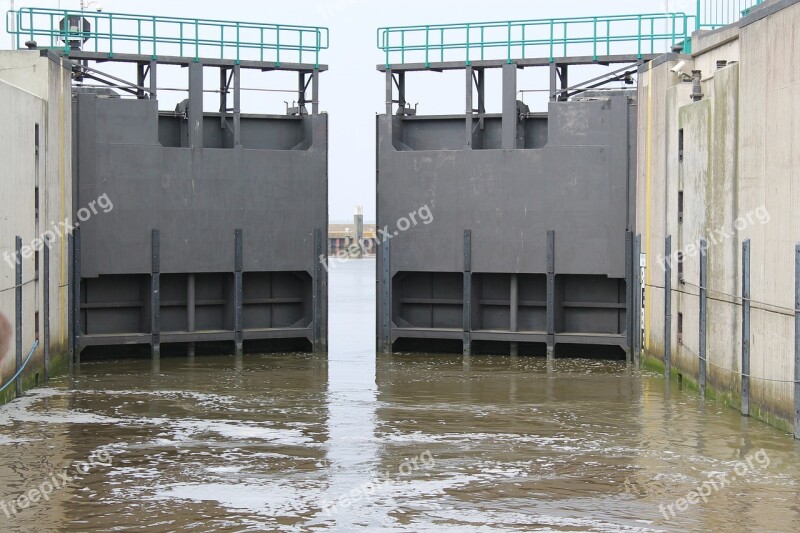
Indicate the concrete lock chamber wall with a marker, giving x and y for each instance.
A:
(531, 248)
(217, 234)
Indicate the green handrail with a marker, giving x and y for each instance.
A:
(716, 13)
(520, 39)
(154, 36)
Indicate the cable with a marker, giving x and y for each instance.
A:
(13, 379)
(16, 286)
(761, 306)
(732, 371)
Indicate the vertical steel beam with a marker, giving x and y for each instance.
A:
(703, 313)
(46, 307)
(70, 299)
(469, 108)
(637, 298)
(467, 296)
(301, 90)
(746, 328)
(18, 313)
(315, 92)
(668, 305)
(629, 305)
(155, 294)
(237, 106)
(238, 302)
(195, 105)
(553, 81)
(389, 93)
(223, 98)
(140, 78)
(401, 90)
(76, 302)
(386, 295)
(509, 121)
(153, 81)
(551, 294)
(514, 311)
(564, 75)
(190, 311)
(481, 92)
(318, 281)
(797, 342)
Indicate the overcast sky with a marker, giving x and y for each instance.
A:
(352, 92)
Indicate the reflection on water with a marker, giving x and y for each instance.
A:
(429, 442)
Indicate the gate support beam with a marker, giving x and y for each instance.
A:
(238, 313)
(467, 296)
(155, 295)
(551, 294)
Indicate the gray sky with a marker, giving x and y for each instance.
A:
(352, 92)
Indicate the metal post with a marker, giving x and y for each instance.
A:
(386, 295)
(237, 106)
(46, 291)
(190, 311)
(563, 74)
(703, 313)
(301, 91)
(467, 296)
(140, 73)
(76, 301)
(509, 120)
(155, 295)
(319, 277)
(514, 311)
(18, 313)
(315, 92)
(70, 300)
(224, 87)
(797, 342)
(746, 328)
(668, 306)
(195, 105)
(551, 294)
(629, 300)
(553, 81)
(469, 108)
(153, 80)
(637, 298)
(238, 313)
(358, 222)
(389, 93)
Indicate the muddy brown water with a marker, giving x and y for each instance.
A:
(296, 442)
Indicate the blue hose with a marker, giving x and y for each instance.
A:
(13, 379)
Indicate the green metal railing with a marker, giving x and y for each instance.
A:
(112, 33)
(716, 13)
(520, 39)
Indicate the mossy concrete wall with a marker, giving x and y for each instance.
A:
(35, 90)
(740, 177)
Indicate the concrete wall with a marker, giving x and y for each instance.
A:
(740, 177)
(34, 90)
